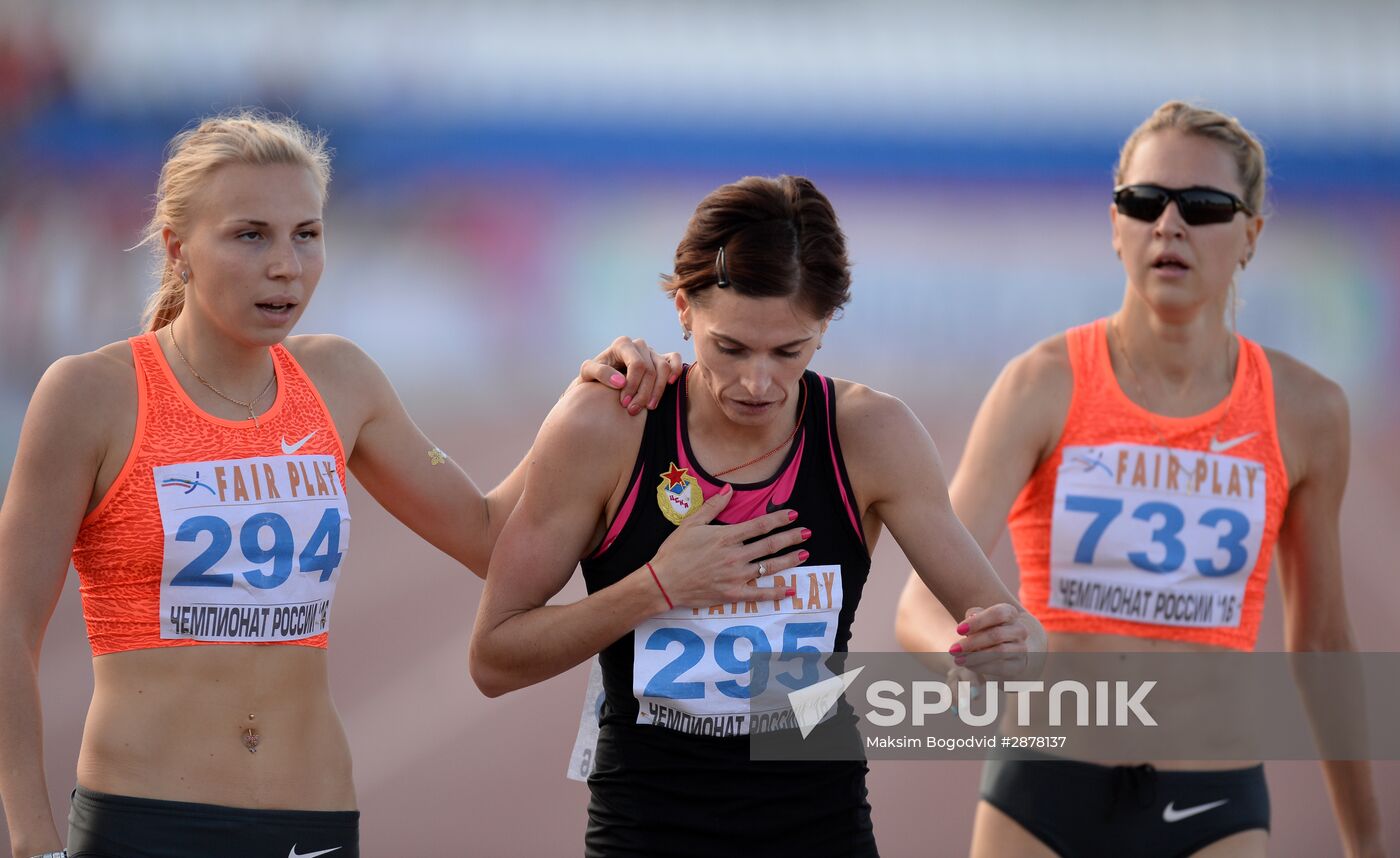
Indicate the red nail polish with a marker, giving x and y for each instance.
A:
(806, 533)
(791, 591)
(626, 400)
(803, 555)
(962, 629)
(959, 660)
(955, 649)
(792, 515)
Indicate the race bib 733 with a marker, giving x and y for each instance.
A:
(1155, 535)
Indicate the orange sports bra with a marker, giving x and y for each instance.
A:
(217, 531)
(1151, 526)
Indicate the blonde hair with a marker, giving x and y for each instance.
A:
(1250, 163)
(245, 137)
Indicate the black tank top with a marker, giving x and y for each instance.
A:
(684, 665)
(673, 775)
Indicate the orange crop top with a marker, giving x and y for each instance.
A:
(217, 531)
(1151, 526)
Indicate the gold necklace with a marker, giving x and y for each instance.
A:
(252, 415)
(1142, 397)
(801, 409)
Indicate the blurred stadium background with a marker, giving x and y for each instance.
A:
(511, 178)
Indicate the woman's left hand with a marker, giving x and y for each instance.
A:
(635, 369)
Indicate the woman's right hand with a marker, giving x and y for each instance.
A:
(639, 372)
(703, 564)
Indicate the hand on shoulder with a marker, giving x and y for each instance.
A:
(588, 419)
(586, 446)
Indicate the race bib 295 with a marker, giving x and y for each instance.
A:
(691, 666)
(251, 547)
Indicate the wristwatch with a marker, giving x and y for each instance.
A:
(62, 853)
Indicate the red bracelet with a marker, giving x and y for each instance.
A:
(659, 587)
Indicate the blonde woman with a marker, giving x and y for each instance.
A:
(196, 475)
(1158, 453)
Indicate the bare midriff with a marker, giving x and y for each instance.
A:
(1161, 706)
(234, 725)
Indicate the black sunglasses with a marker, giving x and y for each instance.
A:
(1198, 206)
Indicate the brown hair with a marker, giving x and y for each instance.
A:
(1187, 118)
(767, 238)
(244, 137)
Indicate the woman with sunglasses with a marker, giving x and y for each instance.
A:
(679, 606)
(196, 475)
(1155, 453)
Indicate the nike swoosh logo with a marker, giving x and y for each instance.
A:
(294, 853)
(1171, 814)
(289, 449)
(1218, 446)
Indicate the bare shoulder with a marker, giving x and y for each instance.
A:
(885, 446)
(865, 409)
(588, 443)
(355, 388)
(1314, 421)
(1042, 373)
(84, 398)
(588, 421)
(331, 357)
(873, 424)
(1029, 402)
(94, 383)
(1303, 396)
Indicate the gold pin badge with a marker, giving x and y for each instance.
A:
(678, 494)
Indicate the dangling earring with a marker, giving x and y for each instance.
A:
(819, 345)
(685, 334)
(185, 276)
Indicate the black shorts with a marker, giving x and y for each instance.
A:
(118, 826)
(657, 793)
(1083, 809)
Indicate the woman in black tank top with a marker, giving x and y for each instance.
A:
(738, 518)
